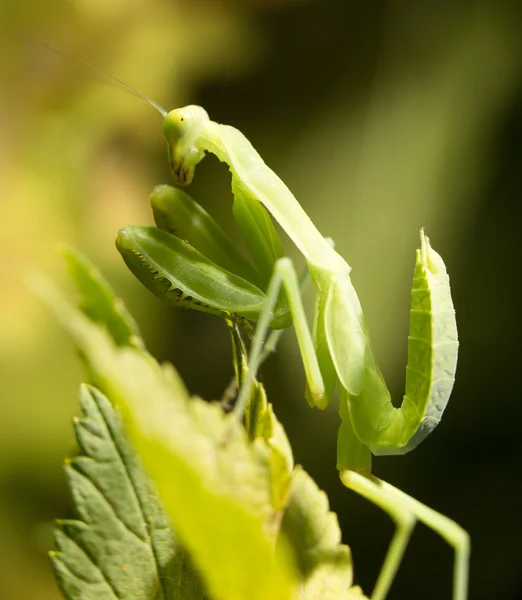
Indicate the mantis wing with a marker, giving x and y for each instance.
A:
(346, 334)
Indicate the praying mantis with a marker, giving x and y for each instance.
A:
(189, 261)
(337, 354)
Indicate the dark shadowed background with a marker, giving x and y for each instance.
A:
(382, 117)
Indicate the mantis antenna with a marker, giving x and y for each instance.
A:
(129, 87)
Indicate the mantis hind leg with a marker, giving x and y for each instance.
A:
(405, 511)
(284, 276)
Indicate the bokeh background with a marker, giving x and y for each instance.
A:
(382, 117)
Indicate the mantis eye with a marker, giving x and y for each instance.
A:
(176, 124)
(183, 123)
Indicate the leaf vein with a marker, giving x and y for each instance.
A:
(95, 563)
(133, 486)
(65, 567)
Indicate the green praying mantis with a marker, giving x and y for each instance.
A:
(189, 261)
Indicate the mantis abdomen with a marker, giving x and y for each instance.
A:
(430, 372)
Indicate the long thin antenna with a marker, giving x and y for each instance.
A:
(135, 91)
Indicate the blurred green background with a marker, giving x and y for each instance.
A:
(382, 117)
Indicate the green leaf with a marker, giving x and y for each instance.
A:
(98, 301)
(123, 546)
(314, 535)
(216, 487)
(262, 424)
(328, 583)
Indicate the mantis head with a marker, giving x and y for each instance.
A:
(181, 128)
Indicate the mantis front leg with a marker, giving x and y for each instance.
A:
(284, 276)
